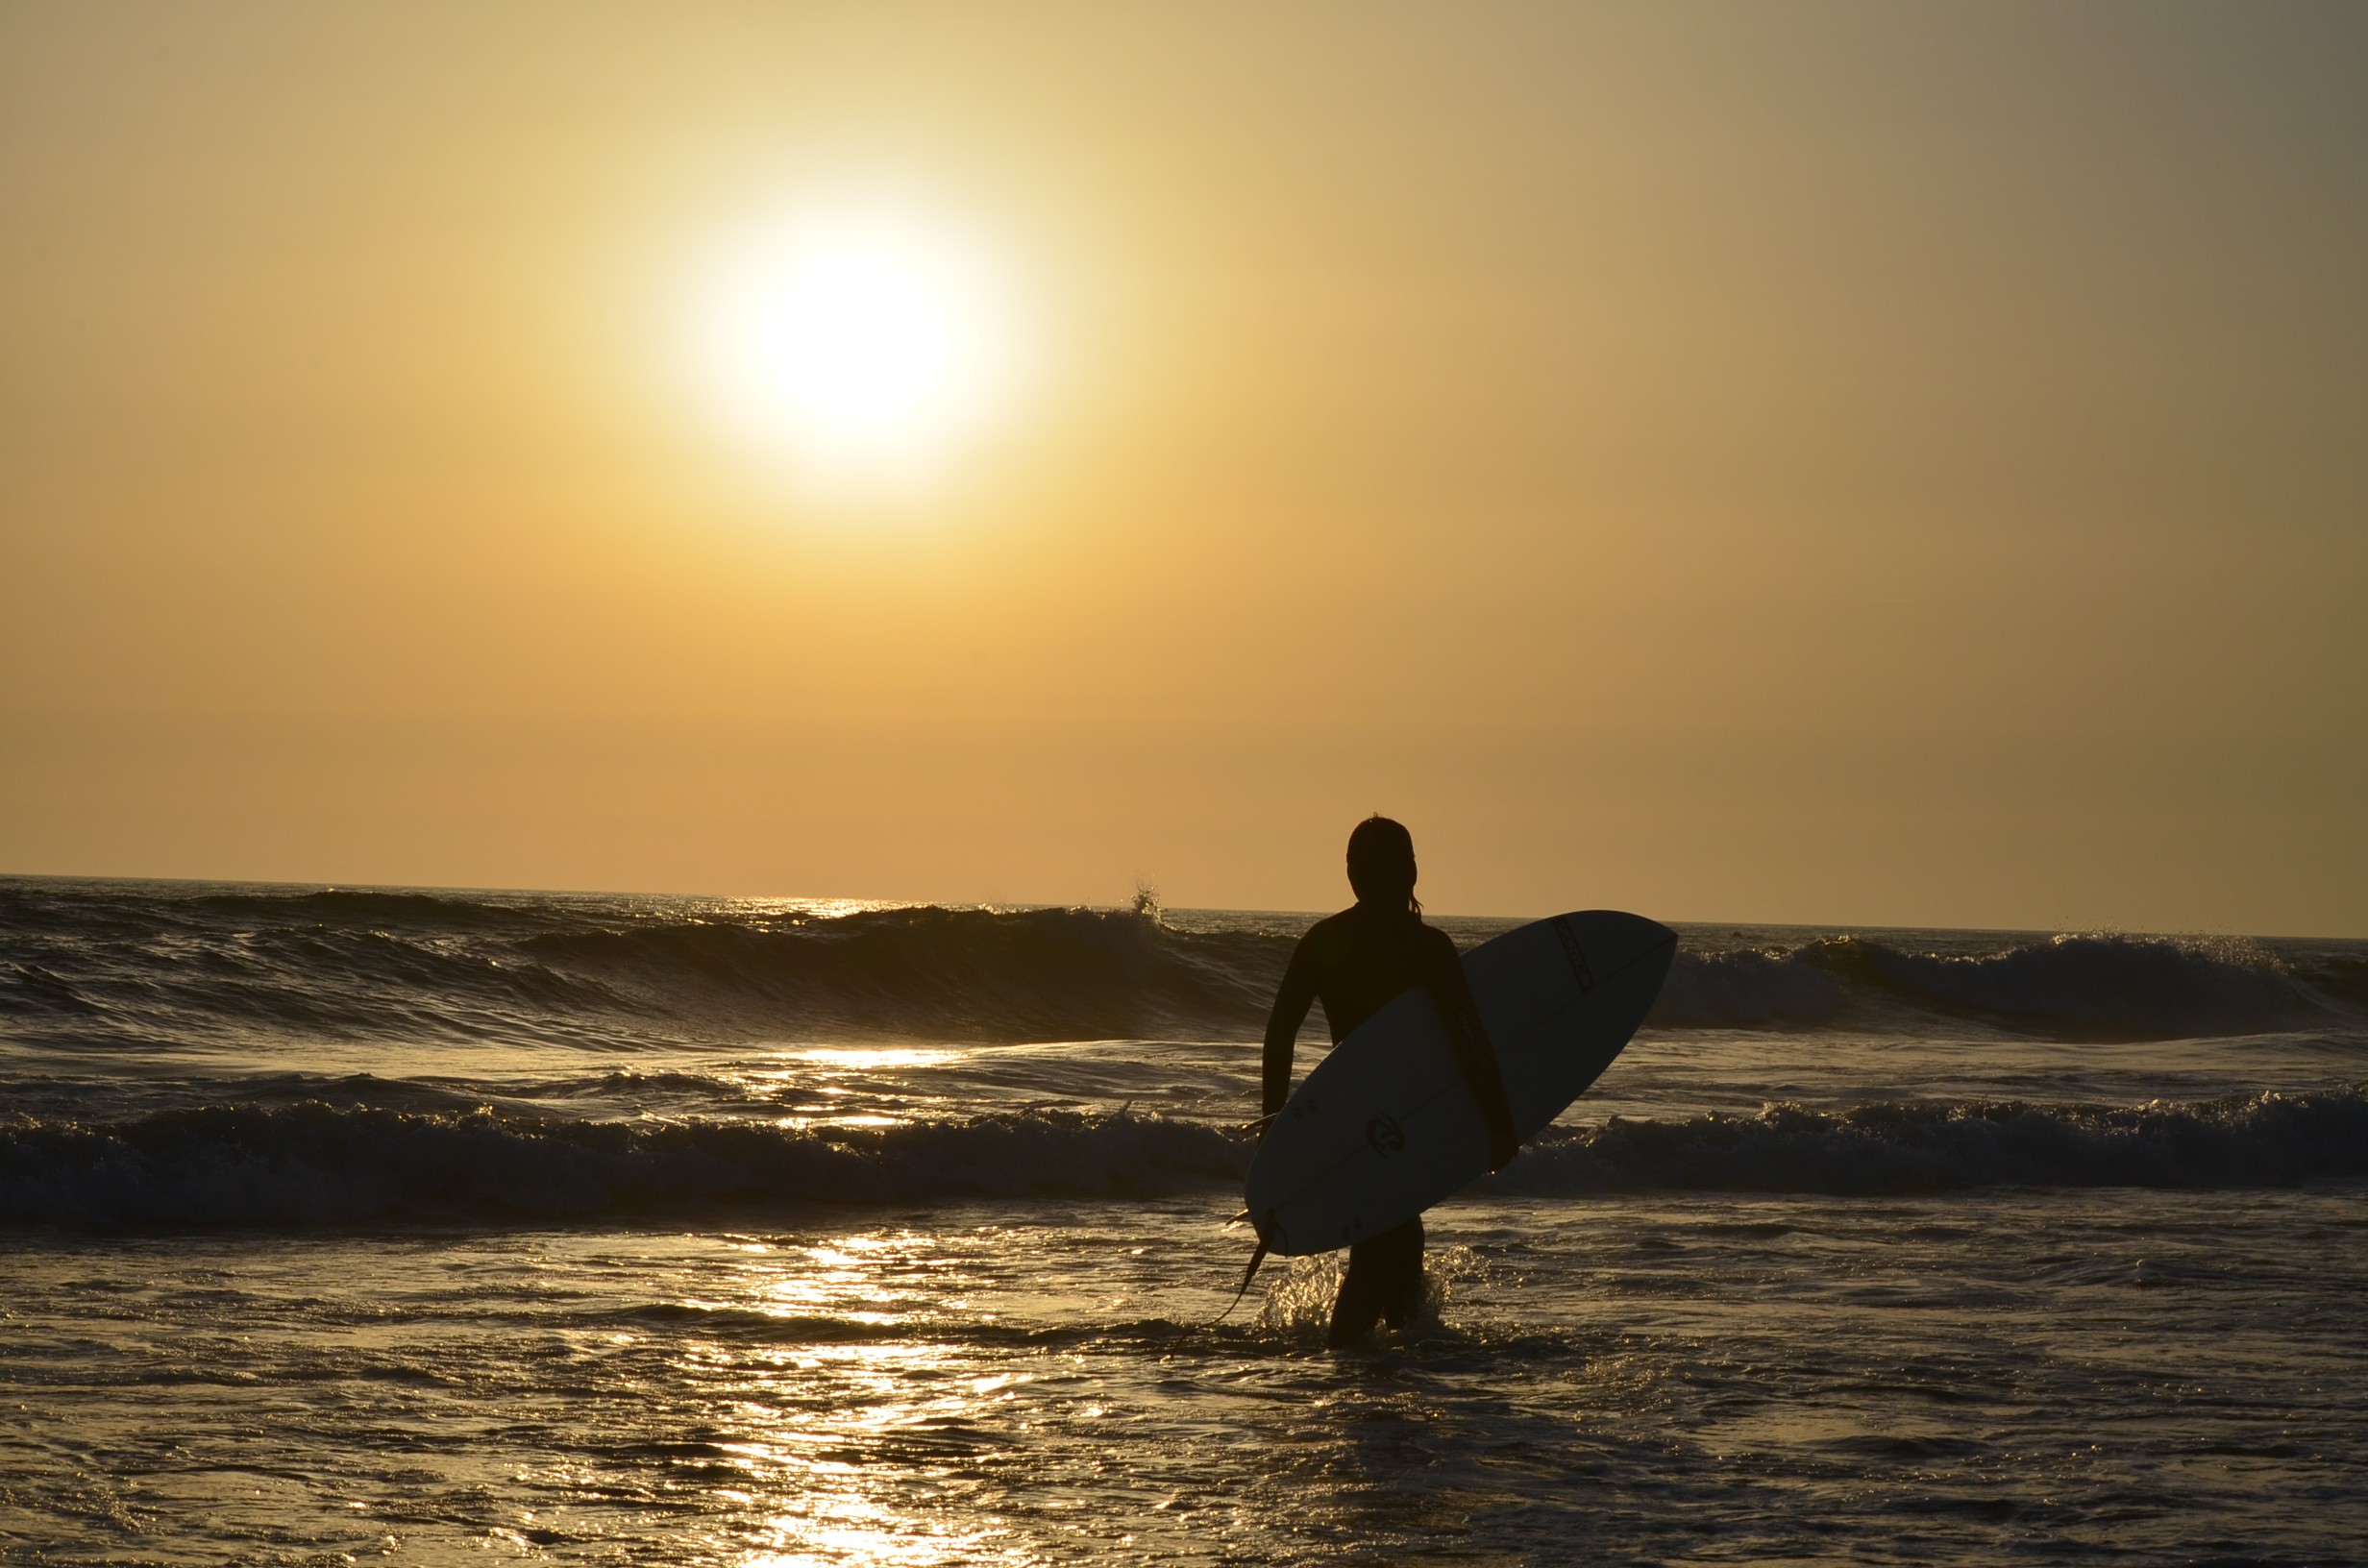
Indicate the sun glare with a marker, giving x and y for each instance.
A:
(864, 343)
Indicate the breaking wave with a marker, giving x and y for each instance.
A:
(316, 1164)
(2267, 1139)
(319, 1165)
(172, 966)
(134, 964)
(2097, 986)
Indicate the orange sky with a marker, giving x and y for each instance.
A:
(1847, 463)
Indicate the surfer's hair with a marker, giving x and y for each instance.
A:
(1381, 865)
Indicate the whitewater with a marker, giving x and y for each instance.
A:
(433, 1226)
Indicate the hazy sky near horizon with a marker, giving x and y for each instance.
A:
(1820, 462)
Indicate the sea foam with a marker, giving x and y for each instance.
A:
(315, 1164)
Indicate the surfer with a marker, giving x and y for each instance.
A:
(1355, 962)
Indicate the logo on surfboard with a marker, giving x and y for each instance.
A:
(1385, 1133)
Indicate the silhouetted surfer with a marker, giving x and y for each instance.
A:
(1356, 961)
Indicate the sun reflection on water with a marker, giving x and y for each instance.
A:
(869, 1449)
(872, 1059)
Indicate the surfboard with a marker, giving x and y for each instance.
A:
(1384, 1127)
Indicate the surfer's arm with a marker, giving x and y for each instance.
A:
(1475, 1054)
(1291, 1001)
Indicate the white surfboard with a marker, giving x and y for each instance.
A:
(1384, 1127)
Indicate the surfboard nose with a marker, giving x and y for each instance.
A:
(1613, 938)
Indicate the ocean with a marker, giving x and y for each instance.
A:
(350, 1225)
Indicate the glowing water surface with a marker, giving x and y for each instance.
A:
(2028, 1376)
(439, 1228)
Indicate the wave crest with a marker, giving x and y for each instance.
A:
(983, 974)
(2078, 987)
(82, 962)
(316, 1164)
(2267, 1139)
(425, 967)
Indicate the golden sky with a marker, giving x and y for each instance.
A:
(1826, 463)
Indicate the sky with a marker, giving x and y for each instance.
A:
(1823, 463)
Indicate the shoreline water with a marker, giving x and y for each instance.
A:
(421, 1226)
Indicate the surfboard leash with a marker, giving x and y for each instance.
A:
(1243, 1289)
(1256, 1258)
(1185, 1338)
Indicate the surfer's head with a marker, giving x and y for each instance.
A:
(1381, 865)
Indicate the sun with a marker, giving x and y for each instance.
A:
(864, 341)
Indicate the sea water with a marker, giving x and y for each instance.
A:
(439, 1227)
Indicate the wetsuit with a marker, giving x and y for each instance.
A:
(1355, 962)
